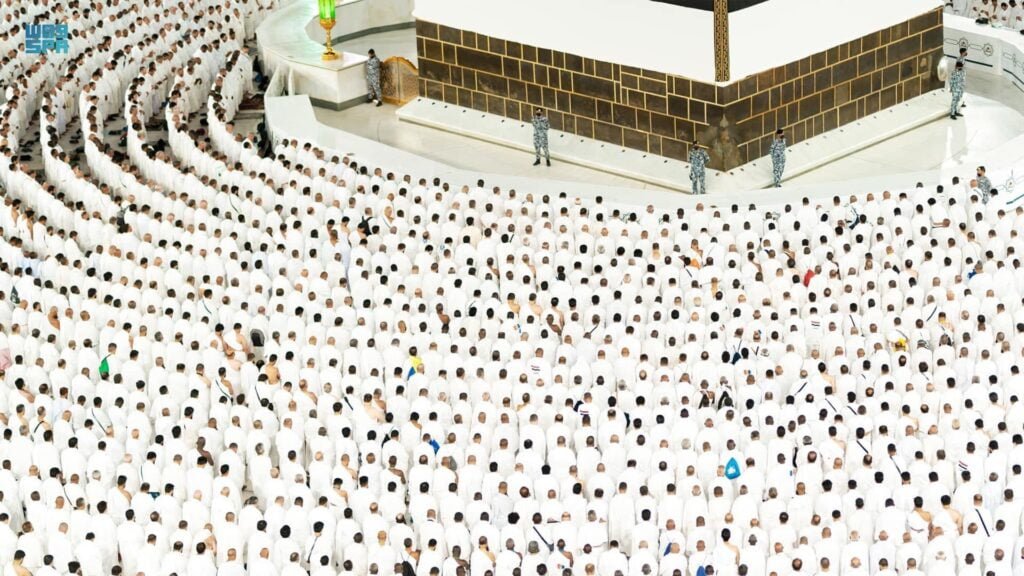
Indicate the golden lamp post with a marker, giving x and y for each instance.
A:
(326, 8)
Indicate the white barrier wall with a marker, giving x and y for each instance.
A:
(990, 50)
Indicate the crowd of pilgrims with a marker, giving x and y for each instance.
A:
(1005, 13)
(217, 362)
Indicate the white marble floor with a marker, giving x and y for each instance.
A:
(801, 158)
(990, 123)
(381, 125)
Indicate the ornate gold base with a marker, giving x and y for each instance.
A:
(329, 53)
(399, 80)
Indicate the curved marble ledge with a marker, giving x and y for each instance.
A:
(991, 50)
(358, 18)
(286, 49)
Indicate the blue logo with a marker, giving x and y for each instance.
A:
(46, 38)
(732, 469)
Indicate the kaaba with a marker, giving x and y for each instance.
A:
(648, 75)
(709, 5)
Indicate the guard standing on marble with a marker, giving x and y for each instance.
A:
(956, 89)
(541, 125)
(778, 153)
(962, 59)
(373, 79)
(698, 161)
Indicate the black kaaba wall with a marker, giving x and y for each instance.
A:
(662, 114)
(709, 5)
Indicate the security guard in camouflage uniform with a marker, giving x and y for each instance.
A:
(956, 89)
(541, 125)
(778, 153)
(373, 79)
(962, 59)
(698, 160)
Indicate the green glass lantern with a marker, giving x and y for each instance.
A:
(326, 10)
